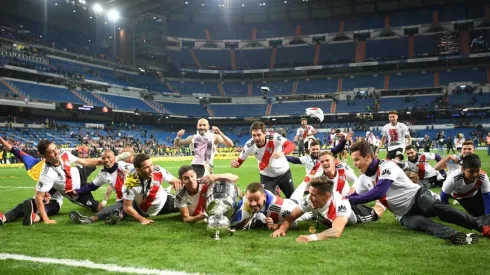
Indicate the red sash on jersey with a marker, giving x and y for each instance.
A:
(202, 200)
(305, 132)
(331, 214)
(382, 199)
(119, 184)
(67, 168)
(275, 215)
(422, 162)
(340, 180)
(146, 203)
(315, 168)
(269, 149)
(477, 186)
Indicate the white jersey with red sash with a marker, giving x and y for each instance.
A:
(400, 196)
(148, 195)
(422, 166)
(395, 135)
(115, 179)
(268, 166)
(275, 207)
(335, 207)
(342, 179)
(459, 189)
(306, 134)
(195, 203)
(62, 178)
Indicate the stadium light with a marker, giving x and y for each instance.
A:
(97, 8)
(113, 15)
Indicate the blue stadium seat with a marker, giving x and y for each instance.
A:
(425, 45)
(47, 93)
(95, 101)
(299, 107)
(317, 86)
(235, 89)
(186, 109)
(188, 88)
(349, 84)
(183, 58)
(214, 59)
(295, 56)
(364, 23)
(475, 76)
(253, 59)
(407, 18)
(399, 103)
(411, 80)
(239, 110)
(128, 103)
(337, 52)
(361, 105)
(392, 48)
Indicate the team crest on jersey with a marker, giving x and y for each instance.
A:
(269, 149)
(342, 178)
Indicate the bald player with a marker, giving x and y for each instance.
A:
(203, 144)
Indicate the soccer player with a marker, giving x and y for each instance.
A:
(330, 209)
(394, 135)
(372, 140)
(305, 133)
(458, 141)
(143, 193)
(411, 203)
(113, 174)
(27, 210)
(191, 199)
(453, 162)
(260, 208)
(340, 174)
(469, 186)
(57, 173)
(269, 149)
(419, 163)
(204, 145)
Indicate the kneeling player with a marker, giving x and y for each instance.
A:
(28, 210)
(191, 199)
(469, 185)
(260, 207)
(143, 193)
(330, 209)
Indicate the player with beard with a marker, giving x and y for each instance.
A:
(453, 162)
(412, 204)
(191, 199)
(269, 149)
(113, 174)
(204, 145)
(306, 134)
(260, 208)
(419, 163)
(469, 186)
(394, 135)
(330, 209)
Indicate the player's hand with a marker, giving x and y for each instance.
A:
(177, 184)
(147, 221)
(235, 163)
(454, 158)
(277, 155)
(208, 179)
(303, 239)
(180, 133)
(71, 193)
(217, 130)
(278, 233)
(270, 224)
(47, 197)
(49, 221)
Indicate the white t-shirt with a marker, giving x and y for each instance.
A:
(204, 148)
(342, 179)
(149, 197)
(308, 162)
(305, 134)
(335, 207)
(195, 203)
(453, 166)
(401, 194)
(268, 166)
(115, 179)
(422, 166)
(395, 135)
(275, 207)
(459, 142)
(56, 177)
(459, 189)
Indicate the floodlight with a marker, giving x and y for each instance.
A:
(113, 15)
(97, 8)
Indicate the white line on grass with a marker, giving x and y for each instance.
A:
(90, 265)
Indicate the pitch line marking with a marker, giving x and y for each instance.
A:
(91, 265)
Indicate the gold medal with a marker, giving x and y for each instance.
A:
(312, 229)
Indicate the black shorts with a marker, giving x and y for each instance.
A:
(86, 200)
(364, 213)
(284, 181)
(199, 169)
(394, 153)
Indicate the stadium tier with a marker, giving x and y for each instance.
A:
(299, 108)
(91, 98)
(401, 103)
(46, 92)
(238, 110)
(127, 103)
(186, 109)
(188, 88)
(317, 86)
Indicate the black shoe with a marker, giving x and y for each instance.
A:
(460, 238)
(76, 217)
(114, 217)
(29, 215)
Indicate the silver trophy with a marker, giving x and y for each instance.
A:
(220, 206)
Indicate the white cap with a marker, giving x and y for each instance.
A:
(368, 133)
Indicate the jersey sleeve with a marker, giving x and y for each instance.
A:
(306, 206)
(278, 139)
(344, 208)
(124, 166)
(44, 184)
(101, 179)
(303, 160)
(364, 185)
(448, 185)
(180, 201)
(389, 171)
(352, 178)
(406, 132)
(129, 193)
(430, 156)
(384, 132)
(71, 158)
(166, 175)
(247, 150)
(485, 185)
(298, 133)
(287, 208)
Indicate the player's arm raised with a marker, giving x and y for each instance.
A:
(222, 138)
(442, 163)
(287, 147)
(178, 141)
(338, 226)
(246, 151)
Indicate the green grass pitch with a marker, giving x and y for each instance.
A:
(382, 247)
